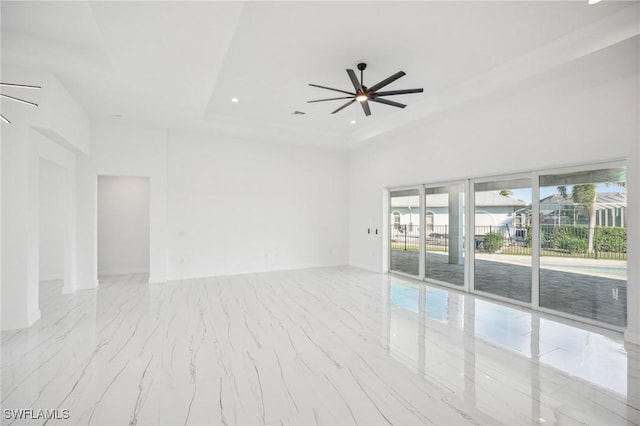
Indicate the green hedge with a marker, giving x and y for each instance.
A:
(611, 240)
(570, 238)
(575, 239)
(493, 241)
(574, 245)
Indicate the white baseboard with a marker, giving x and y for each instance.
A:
(125, 271)
(50, 277)
(69, 290)
(88, 285)
(157, 280)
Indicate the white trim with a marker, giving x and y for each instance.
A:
(422, 226)
(535, 241)
(33, 317)
(405, 275)
(385, 230)
(469, 238)
(50, 277)
(583, 320)
(126, 271)
(502, 299)
(444, 284)
(157, 280)
(92, 285)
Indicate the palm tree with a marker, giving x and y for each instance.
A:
(585, 196)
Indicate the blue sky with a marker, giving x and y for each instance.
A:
(545, 191)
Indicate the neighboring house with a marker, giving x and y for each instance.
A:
(492, 210)
(611, 210)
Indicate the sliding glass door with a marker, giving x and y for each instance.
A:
(502, 238)
(444, 234)
(583, 244)
(404, 231)
(564, 251)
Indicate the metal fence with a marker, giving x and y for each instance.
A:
(405, 237)
(571, 241)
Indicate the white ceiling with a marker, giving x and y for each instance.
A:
(178, 64)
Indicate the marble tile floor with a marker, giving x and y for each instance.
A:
(318, 346)
(586, 295)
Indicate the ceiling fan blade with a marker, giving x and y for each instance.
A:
(386, 102)
(344, 106)
(365, 108)
(386, 81)
(18, 100)
(399, 92)
(354, 79)
(330, 88)
(20, 86)
(329, 99)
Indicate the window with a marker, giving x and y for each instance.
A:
(396, 220)
(578, 236)
(429, 222)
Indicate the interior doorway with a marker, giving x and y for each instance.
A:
(123, 225)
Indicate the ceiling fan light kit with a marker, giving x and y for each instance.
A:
(364, 94)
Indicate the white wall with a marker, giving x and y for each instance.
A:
(123, 150)
(20, 228)
(239, 207)
(51, 220)
(585, 111)
(55, 131)
(123, 225)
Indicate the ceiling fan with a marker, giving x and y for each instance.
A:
(364, 94)
(18, 86)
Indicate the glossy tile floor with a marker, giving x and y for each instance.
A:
(584, 292)
(318, 346)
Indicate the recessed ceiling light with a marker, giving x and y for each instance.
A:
(594, 1)
(353, 122)
(234, 100)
